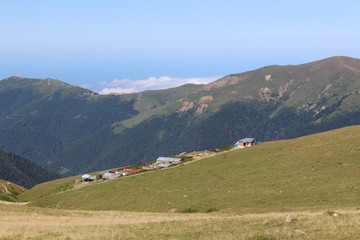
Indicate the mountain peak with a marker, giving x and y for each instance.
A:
(44, 85)
(340, 62)
(331, 64)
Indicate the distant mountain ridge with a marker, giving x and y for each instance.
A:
(72, 130)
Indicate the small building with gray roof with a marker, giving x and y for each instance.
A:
(168, 160)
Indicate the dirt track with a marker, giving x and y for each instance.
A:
(13, 203)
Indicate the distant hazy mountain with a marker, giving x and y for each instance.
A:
(73, 130)
(21, 171)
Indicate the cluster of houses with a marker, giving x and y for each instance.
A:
(109, 175)
(161, 162)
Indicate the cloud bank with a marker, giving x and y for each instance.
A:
(120, 86)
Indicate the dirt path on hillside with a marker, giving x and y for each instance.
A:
(6, 191)
(14, 203)
(207, 155)
(197, 157)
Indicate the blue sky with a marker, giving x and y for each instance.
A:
(137, 45)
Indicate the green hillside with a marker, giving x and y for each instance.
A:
(9, 191)
(319, 170)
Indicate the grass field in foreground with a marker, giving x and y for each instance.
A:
(36, 223)
(320, 170)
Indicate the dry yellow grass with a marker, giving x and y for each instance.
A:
(23, 222)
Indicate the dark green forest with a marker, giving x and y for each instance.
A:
(21, 171)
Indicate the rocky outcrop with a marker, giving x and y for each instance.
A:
(202, 103)
(283, 89)
(186, 106)
(268, 78)
(199, 105)
(265, 93)
(226, 81)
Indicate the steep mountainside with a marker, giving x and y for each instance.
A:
(22, 171)
(42, 117)
(72, 130)
(319, 170)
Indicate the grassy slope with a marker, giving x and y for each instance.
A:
(9, 191)
(320, 170)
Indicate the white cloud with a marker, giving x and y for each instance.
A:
(117, 90)
(152, 83)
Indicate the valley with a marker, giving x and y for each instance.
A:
(72, 130)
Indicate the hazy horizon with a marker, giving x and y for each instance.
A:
(140, 45)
